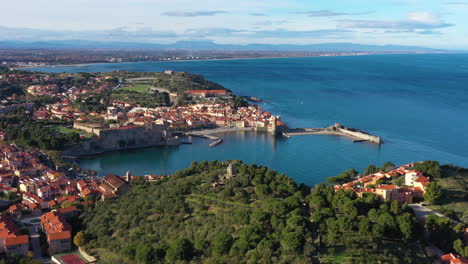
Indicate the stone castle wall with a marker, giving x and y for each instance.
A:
(86, 127)
(123, 138)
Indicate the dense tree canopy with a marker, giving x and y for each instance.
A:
(365, 227)
(258, 216)
(345, 176)
(434, 193)
(370, 170)
(429, 167)
(447, 235)
(29, 133)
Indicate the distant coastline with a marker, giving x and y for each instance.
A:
(27, 67)
(192, 60)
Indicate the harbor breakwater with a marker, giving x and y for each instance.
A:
(356, 135)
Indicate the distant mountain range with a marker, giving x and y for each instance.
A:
(209, 45)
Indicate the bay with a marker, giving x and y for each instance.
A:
(417, 103)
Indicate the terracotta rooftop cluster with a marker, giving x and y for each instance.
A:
(414, 184)
(197, 116)
(44, 90)
(55, 226)
(11, 239)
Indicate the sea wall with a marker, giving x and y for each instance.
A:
(337, 129)
(360, 135)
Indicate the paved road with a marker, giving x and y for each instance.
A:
(422, 211)
(34, 236)
(35, 242)
(117, 87)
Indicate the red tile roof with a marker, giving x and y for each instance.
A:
(10, 232)
(60, 235)
(452, 258)
(114, 180)
(67, 209)
(15, 208)
(386, 187)
(17, 240)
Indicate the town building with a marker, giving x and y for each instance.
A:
(208, 93)
(58, 232)
(413, 189)
(115, 185)
(11, 239)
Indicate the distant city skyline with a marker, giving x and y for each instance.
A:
(429, 23)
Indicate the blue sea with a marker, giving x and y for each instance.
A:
(417, 103)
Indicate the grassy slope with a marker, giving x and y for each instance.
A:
(177, 82)
(67, 130)
(343, 255)
(455, 181)
(141, 88)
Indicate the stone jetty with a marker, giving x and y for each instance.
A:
(356, 135)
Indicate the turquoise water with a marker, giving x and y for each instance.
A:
(417, 103)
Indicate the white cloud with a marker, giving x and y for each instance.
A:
(270, 22)
(415, 20)
(328, 13)
(193, 14)
(162, 20)
(425, 17)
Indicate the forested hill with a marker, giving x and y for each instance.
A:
(258, 216)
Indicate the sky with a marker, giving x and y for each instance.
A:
(428, 23)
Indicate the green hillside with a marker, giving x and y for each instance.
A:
(181, 81)
(176, 82)
(257, 216)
